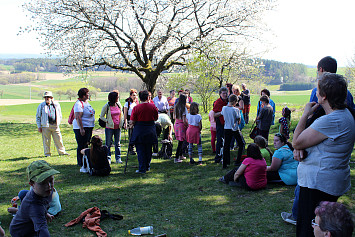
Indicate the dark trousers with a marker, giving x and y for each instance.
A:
(144, 153)
(309, 199)
(273, 176)
(228, 134)
(241, 181)
(82, 142)
(219, 144)
(264, 133)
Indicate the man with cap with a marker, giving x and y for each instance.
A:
(32, 216)
(48, 118)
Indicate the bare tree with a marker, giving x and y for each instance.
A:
(146, 37)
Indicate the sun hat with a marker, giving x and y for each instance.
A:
(39, 170)
(47, 94)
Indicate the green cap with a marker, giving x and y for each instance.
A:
(39, 170)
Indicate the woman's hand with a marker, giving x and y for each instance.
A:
(310, 108)
(82, 131)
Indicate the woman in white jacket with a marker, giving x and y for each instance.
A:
(112, 114)
(48, 118)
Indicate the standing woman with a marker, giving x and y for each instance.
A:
(144, 133)
(240, 103)
(324, 175)
(111, 113)
(131, 102)
(83, 123)
(180, 126)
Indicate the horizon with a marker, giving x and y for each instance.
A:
(295, 32)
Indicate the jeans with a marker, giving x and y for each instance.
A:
(109, 134)
(219, 144)
(228, 134)
(144, 153)
(82, 142)
(295, 202)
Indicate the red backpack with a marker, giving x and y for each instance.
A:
(72, 115)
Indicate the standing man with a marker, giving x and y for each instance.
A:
(161, 102)
(48, 118)
(246, 99)
(217, 108)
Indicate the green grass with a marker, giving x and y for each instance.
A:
(177, 199)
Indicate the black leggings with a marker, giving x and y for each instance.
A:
(179, 149)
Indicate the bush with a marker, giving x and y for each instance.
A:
(296, 86)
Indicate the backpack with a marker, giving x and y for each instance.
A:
(72, 115)
(166, 149)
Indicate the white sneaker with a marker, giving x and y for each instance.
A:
(84, 170)
(119, 161)
(155, 154)
(287, 217)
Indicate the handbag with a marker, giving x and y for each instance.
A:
(254, 131)
(101, 122)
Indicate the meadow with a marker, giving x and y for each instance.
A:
(176, 199)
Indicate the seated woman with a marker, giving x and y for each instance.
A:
(97, 157)
(283, 167)
(251, 174)
(262, 144)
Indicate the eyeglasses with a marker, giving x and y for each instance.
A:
(314, 223)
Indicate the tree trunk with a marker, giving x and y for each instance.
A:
(150, 80)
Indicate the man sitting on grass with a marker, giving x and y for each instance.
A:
(32, 216)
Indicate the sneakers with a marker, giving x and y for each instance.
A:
(84, 170)
(139, 172)
(222, 180)
(119, 161)
(177, 160)
(287, 217)
(155, 154)
(65, 154)
(199, 162)
(192, 162)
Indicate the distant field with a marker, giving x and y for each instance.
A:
(312, 72)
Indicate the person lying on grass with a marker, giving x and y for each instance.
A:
(251, 174)
(32, 216)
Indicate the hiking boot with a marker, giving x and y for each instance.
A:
(287, 217)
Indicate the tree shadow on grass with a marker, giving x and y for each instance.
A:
(17, 129)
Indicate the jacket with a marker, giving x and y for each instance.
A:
(108, 118)
(42, 114)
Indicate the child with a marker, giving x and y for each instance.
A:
(193, 133)
(262, 144)
(231, 117)
(265, 117)
(251, 174)
(32, 216)
(285, 122)
(180, 113)
(213, 130)
(54, 205)
(97, 157)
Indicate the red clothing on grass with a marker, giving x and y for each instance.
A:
(144, 112)
(255, 173)
(217, 107)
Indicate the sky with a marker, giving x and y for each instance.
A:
(301, 31)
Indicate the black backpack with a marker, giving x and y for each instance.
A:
(166, 150)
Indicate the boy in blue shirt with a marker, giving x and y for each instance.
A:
(32, 216)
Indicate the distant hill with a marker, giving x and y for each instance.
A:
(21, 56)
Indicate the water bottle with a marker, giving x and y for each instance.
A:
(141, 231)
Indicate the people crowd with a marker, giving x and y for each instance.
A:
(315, 159)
